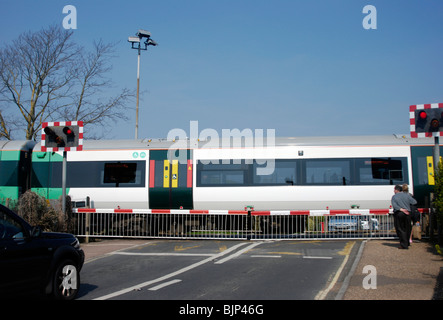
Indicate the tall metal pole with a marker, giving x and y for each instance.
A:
(136, 44)
(436, 162)
(436, 154)
(138, 93)
(64, 183)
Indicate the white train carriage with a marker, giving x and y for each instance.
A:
(302, 174)
(293, 174)
(110, 174)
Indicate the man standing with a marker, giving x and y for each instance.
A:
(401, 203)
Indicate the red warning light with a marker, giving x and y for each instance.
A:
(423, 115)
(68, 131)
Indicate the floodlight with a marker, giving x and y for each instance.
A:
(133, 39)
(143, 33)
(137, 44)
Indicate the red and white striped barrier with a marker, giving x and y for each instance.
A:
(244, 212)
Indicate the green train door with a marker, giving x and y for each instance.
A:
(170, 181)
(423, 173)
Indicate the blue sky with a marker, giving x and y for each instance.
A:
(301, 67)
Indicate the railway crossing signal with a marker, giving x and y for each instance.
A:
(62, 136)
(426, 120)
(69, 132)
(52, 137)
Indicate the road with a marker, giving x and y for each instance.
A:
(218, 270)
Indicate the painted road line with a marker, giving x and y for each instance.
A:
(316, 257)
(347, 251)
(170, 275)
(165, 284)
(238, 253)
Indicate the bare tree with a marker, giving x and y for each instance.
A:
(87, 103)
(45, 76)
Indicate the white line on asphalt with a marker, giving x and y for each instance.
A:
(238, 253)
(346, 281)
(264, 256)
(322, 294)
(170, 275)
(315, 257)
(162, 285)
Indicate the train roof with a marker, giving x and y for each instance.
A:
(354, 141)
(16, 145)
(394, 140)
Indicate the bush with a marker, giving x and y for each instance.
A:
(38, 211)
(438, 199)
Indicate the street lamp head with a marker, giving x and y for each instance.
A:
(143, 33)
(134, 39)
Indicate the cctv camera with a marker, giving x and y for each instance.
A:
(151, 42)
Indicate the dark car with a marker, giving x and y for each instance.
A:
(36, 261)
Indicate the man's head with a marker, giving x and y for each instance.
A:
(398, 188)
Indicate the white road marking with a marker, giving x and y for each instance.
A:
(323, 293)
(170, 275)
(316, 257)
(238, 253)
(164, 285)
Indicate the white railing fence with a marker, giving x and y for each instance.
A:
(227, 224)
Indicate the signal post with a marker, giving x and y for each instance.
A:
(62, 136)
(426, 121)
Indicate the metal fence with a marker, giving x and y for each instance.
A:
(224, 224)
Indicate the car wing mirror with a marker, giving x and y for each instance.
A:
(36, 232)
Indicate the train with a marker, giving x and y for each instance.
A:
(298, 173)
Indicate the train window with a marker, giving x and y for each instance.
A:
(158, 174)
(182, 175)
(224, 174)
(225, 177)
(284, 173)
(383, 171)
(119, 173)
(334, 172)
(97, 174)
(9, 173)
(46, 175)
(422, 171)
(328, 171)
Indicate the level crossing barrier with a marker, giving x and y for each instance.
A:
(231, 224)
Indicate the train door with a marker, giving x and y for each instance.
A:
(423, 173)
(46, 174)
(170, 181)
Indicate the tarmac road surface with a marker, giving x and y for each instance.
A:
(217, 270)
(414, 274)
